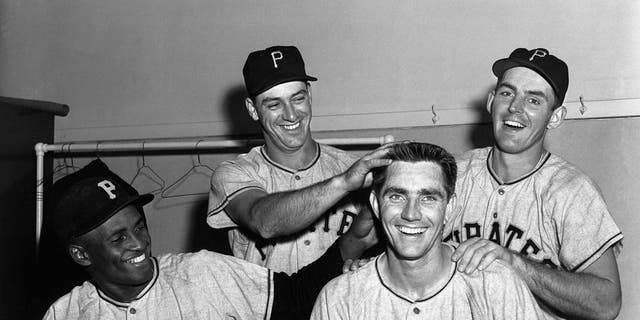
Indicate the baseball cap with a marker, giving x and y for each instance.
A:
(552, 69)
(272, 66)
(90, 196)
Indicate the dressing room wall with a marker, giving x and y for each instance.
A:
(417, 69)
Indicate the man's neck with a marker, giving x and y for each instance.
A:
(294, 159)
(417, 279)
(124, 294)
(510, 167)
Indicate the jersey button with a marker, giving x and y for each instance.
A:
(495, 215)
(297, 177)
(132, 311)
(307, 242)
(501, 191)
(416, 310)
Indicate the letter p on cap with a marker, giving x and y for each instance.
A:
(538, 53)
(275, 56)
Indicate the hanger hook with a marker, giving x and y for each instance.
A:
(70, 157)
(144, 163)
(198, 153)
(582, 108)
(98, 149)
(435, 117)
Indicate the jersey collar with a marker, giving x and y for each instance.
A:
(543, 159)
(287, 169)
(144, 291)
(452, 271)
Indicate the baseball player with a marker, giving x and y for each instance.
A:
(100, 218)
(415, 278)
(287, 201)
(529, 208)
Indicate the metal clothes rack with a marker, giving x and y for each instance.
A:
(151, 145)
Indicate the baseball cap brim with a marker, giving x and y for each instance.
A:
(280, 79)
(502, 65)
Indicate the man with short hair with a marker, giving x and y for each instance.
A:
(100, 220)
(287, 201)
(415, 277)
(531, 209)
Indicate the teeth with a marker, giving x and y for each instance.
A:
(138, 259)
(514, 124)
(411, 230)
(293, 126)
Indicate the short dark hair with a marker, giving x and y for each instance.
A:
(417, 152)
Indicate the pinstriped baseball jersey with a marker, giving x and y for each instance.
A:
(555, 214)
(254, 170)
(495, 293)
(202, 285)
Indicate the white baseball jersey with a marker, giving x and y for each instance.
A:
(202, 285)
(554, 214)
(494, 293)
(254, 170)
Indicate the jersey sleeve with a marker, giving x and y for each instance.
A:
(321, 307)
(585, 226)
(508, 297)
(232, 283)
(227, 181)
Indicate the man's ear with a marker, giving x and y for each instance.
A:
(309, 91)
(253, 113)
(490, 97)
(557, 117)
(373, 200)
(79, 255)
(452, 202)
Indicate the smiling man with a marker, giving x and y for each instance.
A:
(531, 209)
(287, 201)
(415, 277)
(99, 218)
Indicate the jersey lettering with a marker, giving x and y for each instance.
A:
(473, 230)
(495, 233)
(530, 248)
(347, 218)
(511, 232)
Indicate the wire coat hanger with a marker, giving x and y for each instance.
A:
(148, 172)
(65, 168)
(193, 170)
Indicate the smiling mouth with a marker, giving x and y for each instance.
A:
(513, 124)
(292, 126)
(412, 231)
(137, 259)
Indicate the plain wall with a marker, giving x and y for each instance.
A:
(161, 68)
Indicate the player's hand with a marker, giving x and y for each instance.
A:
(355, 264)
(477, 253)
(361, 235)
(359, 174)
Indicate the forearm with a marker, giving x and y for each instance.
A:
(578, 294)
(285, 213)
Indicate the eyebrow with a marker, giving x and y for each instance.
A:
(269, 99)
(422, 192)
(394, 190)
(120, 230)
(530, 92)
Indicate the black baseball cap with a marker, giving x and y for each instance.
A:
(87, 198)
(272, 66)
(552, 69)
